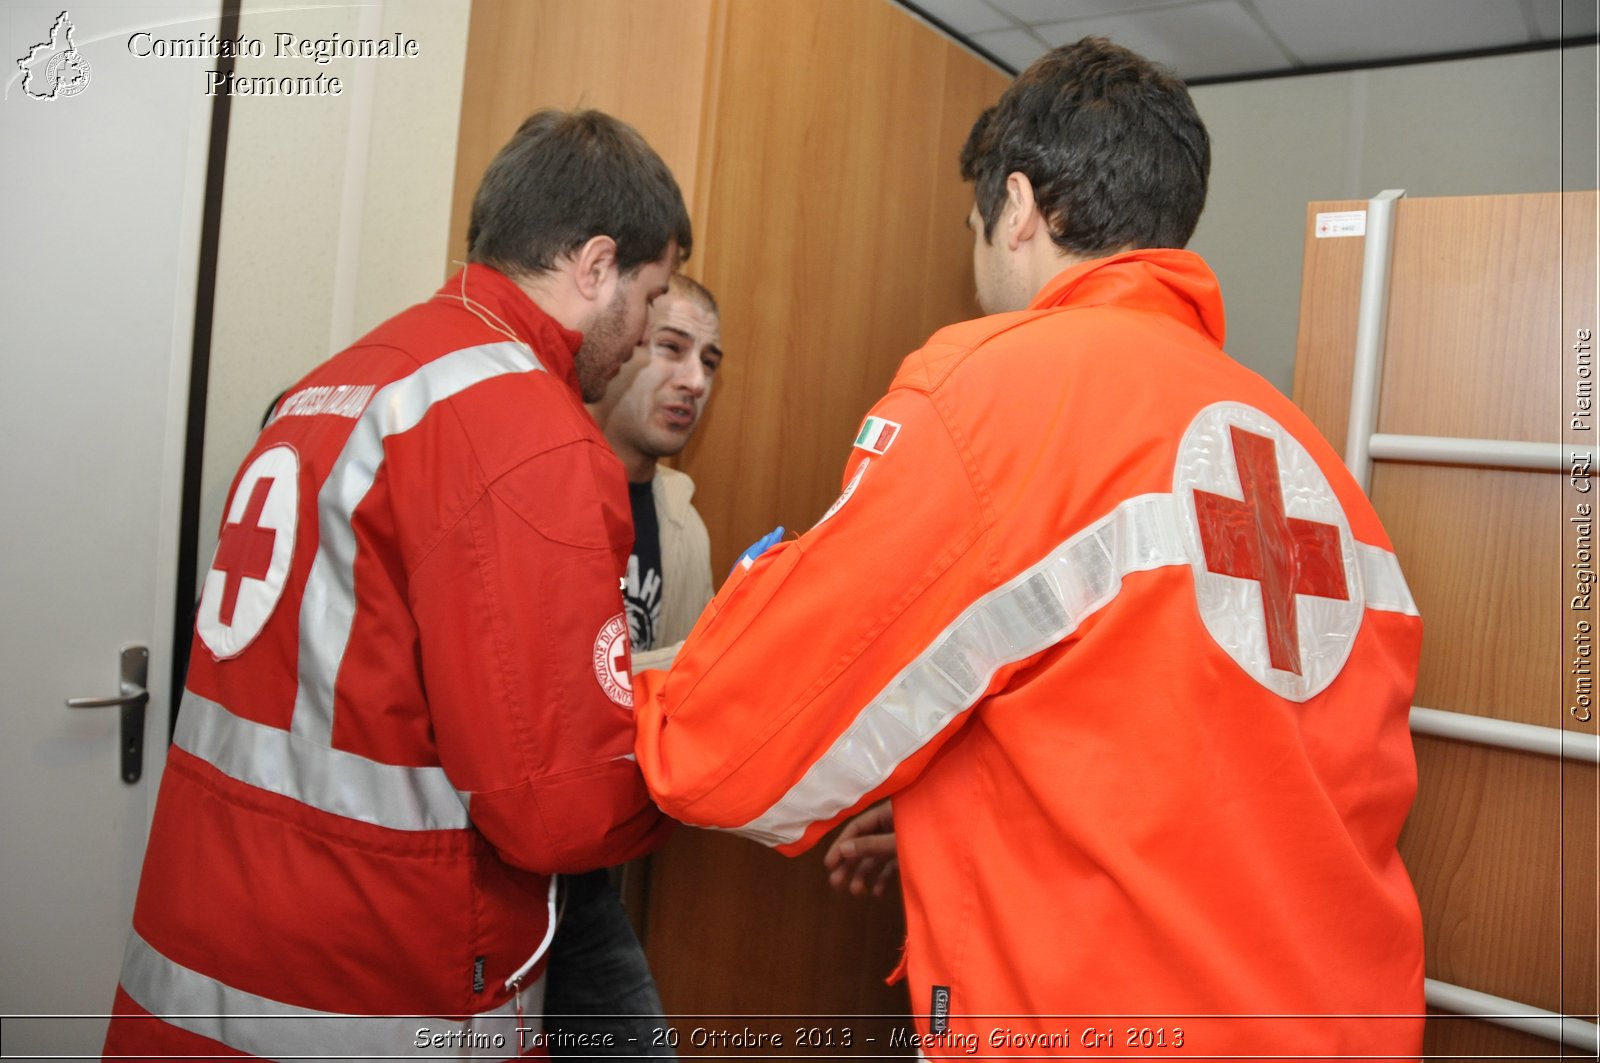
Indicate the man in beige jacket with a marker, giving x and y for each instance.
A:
(599, 983)
(649, 412)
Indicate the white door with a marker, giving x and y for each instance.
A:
(100, 207)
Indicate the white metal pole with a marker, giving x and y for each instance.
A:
(1584, 1036)
(1370, 321)
(1527, 737)
(1494, 453)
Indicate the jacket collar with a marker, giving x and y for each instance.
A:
(1165, 281)
(672, 491)
(495, 295)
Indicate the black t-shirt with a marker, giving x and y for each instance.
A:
(642, 590)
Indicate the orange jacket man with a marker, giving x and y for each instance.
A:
(1107, 618)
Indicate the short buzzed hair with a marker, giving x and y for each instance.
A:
(693, 289)
(566, 177)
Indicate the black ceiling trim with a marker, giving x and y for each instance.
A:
(1411, 60)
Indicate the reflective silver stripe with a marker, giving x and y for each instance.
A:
(328, 608)
(1382, 582)
(270, 1029)
(1014, 621)
(1034, 610)
(342, 783)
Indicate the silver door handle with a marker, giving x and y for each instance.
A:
(136, 696)
(135, 662)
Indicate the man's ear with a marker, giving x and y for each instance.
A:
(1020, 217)
(595, 267)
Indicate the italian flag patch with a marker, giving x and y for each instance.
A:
(876, 434)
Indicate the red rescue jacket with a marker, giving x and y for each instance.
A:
(407, 708)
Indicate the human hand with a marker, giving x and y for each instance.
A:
(863, 856)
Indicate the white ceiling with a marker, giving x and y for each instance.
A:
(1207, 40)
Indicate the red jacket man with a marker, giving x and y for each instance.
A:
(407, 710)
(1109, 621)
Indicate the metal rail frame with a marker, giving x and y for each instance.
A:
(1363, 445)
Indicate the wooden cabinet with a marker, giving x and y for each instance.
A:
(1488, 298)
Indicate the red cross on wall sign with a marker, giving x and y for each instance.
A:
(244, 550)
(1253, 538)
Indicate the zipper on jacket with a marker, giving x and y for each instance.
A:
(899, 972)
(514, 983)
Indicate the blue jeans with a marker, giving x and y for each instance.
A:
(597, 980)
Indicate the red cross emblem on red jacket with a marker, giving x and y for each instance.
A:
(244, 550)
(254, 549)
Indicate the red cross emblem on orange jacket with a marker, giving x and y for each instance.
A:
(1277, 574)
(1253, 538)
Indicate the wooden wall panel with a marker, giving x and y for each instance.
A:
(836, 217)
(1501, 844)
(1459, 1037)
(1489, 370)
(737, 930)
(817, 147)
(644, 63)
(1492, 642)
(1474, 319)
(833, 216)
(1484, 846)
(1580, 314)
(1330, 295)
(1580, 897)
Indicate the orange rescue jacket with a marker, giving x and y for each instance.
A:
(1131, 651)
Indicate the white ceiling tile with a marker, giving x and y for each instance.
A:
(1035, 12)
(964, 16)
(1353, 31)
(1014, 47)
(1223, 38)
(1214, 38)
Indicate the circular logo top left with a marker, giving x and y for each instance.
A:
(67, 74)
(251, 564)
(53, 68)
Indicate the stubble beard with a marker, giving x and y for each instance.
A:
(602, 350)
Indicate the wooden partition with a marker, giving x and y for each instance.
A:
(644, 62)
(1487, 296)
(816, 144)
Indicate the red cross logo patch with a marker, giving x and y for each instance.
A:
(612, 666)
(1275, 565)
(254, 548)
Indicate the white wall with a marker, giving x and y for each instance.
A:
(1516, 123)
(335, 209)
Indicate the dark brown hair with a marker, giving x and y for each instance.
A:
(566, 177)
(1113, 146)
